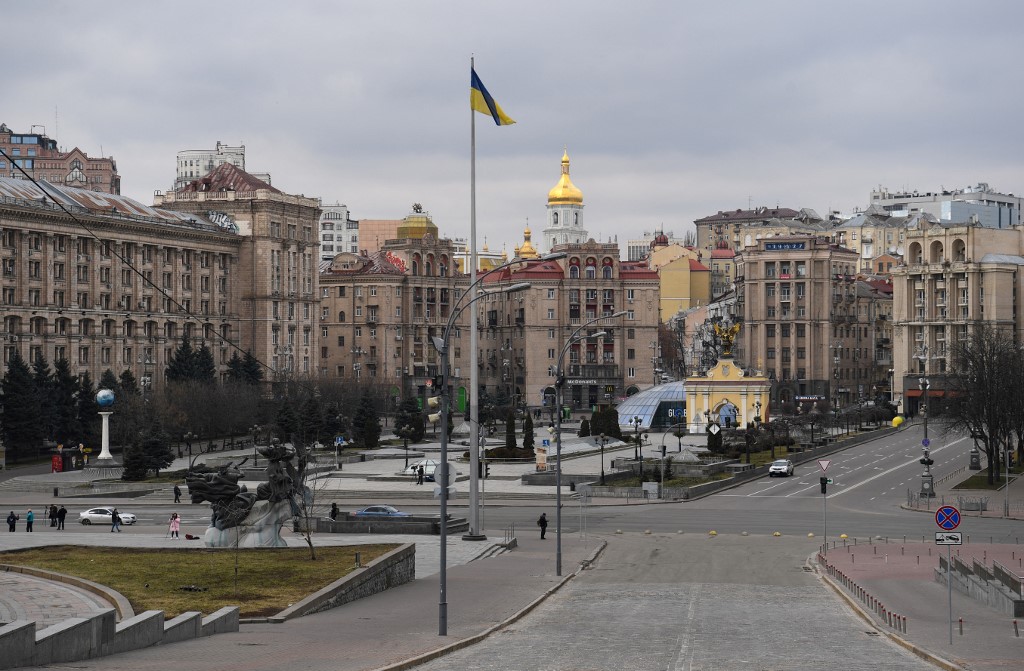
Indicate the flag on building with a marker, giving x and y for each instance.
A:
(481, 101)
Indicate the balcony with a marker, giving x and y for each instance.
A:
(595, 371)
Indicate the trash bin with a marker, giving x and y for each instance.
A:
(55, 494)
(572, 487)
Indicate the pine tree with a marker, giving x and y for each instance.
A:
(510, 430)
(253, 370)
(409, 415)
(150, 449)
(88, 419)
(528, 440)
(287, 421)
(179, 368)
(127, 384)
(366, 423)
(42, 381)
(22, 426)
(584, 428)
(236, 373)
(109, 381)
(312, 420)
(64, 399)
(204, 369)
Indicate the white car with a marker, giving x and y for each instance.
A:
(103, 516)
(781, 467)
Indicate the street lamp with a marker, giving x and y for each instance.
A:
(255, 431)
(927, 479)
(576, 336)
(188, 438)
(405, 432)
(601, 440)
(637, 423)
(441, 345)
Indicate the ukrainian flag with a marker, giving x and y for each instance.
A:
(481, 101)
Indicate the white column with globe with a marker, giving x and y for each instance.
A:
(105, 400)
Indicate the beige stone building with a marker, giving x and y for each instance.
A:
(954, 276)
(112, 288)
(737, 229)
(805, 322)
(685, 281)
(277, 297)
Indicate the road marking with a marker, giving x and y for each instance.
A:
(909, 463)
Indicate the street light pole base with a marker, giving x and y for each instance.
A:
(474, 537)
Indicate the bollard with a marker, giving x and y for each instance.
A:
(902, 551)
(918, 560)
(359, 559)
(961, 626)
(1016, 630)
(875, 550)
(853, 559)
(904, 539)
(886, 557)
(929, 552)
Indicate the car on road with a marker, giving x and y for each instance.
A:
(380, 511)
(781, 467)
(103, 516)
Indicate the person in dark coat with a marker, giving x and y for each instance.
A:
(334, 511)
(177, 494)
(52, 515)
(115, 522)
(419, 475)
(62, 512)
(543, 524)
(12, 520)
(29, 519)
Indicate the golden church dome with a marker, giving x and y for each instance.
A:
(526, 251)
(565, 192)
(416, 226)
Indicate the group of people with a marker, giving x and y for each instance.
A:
(55, 514)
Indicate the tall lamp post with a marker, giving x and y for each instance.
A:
(441, 345)
(255, 431)
(405, 432)
(636, 422)
(601, 440)
(927, 479)
(188, 438)
(574, 337)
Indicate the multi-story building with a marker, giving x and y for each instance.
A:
(954, 277)
(117, 284)
(39, 156)
(338, 232)
(373, 233)
(639, 248)
(278, 297)
(805, 323)
(989, 208)
(737, 229)
(723, 271)
(872, 233)
(522, 334)
(379, 312)
(565, 213)
(195, 163)
(685, 281)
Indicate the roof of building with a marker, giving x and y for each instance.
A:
(697, 266)
(637, 270)
(44, 195)
(227, 177)
(756, 214)
(1003, 258)
(723, 253)
(565, 192)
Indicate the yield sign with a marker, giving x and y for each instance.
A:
(823, 464)
(947, 517)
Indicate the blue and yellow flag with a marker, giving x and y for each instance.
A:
(481, 101)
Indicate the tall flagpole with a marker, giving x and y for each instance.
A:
(474, 532)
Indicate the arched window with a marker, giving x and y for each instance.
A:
(591, 272)
(554, 218)
(574, 272)
(575, 218)
(606, 272)
(341, 316)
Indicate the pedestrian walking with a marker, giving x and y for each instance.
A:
(52, 515)
(115, 522)
(543, 524)
(334, 511)
(174, 525)
(12, 520)
(29, 518)
(177, 494)
(419, 475)
(62, 512)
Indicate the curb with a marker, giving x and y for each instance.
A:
(941, 662)
(515, 617)
(116, 599)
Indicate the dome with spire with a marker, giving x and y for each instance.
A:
(565, 192)
(417, 225)
(526, 250)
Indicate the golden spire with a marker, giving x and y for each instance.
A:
(526, 250)
(565, 192)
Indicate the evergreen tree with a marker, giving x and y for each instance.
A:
(510, 430)
(150, 450)
(584, 428)
(127, 384)
(88, 419)
(366, 423)
(312, 420)
(335, 423)
(109, 381)
(236, 372)
(204, 369)
(22, 426)
(42, 382)
(409, 415)
(287, 421)
(64, 398)
(253, 370)
(528, 440)
(179, 368)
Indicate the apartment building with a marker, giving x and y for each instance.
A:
(40, 157)
(737, 229)
(954, 276)
(338, 231)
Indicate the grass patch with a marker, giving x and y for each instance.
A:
(268, 580)
(980, 481)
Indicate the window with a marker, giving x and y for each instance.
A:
(630, 333)
(551, 353)
(770, 353)
(551, 313)
(631, 372)
(551, 334)
(631, 354)
(630, 314)
(785, 330)
(769, 331)
(551, 293)
(341, 292)
(341, 341)
(801, 330)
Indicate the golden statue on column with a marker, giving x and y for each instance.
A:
(728, 337)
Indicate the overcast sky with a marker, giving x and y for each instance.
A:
(671, 111)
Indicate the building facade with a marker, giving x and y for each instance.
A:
(114, 289)
(565, 213)
(195, 163)
(278, 296)
(736, 229)
(979, 203)
(39, 156)
(338, 231)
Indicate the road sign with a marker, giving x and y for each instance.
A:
(926, 442)
(823, 464)
(947, 517)
(714, 429)
(829, 481)
(949, 538)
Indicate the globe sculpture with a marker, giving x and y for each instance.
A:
(896, 421)
(104, 398)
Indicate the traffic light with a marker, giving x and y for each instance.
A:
(487, 471)
(824, 484)
(560, 380)
(926, 460)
